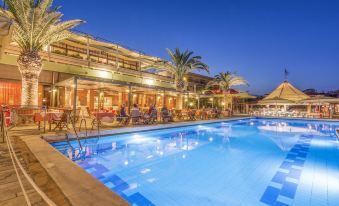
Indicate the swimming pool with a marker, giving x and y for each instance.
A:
(241, 162)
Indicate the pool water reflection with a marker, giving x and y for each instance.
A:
(246, 162)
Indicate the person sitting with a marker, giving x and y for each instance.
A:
(122, 117)
(151, 116)
(191, 114)
(166, 115)
(135, 114)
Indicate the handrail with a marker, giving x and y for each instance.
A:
(16, 163)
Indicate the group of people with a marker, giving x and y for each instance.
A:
(148, 117)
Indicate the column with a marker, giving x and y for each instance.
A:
(129, 98)
(75, 97)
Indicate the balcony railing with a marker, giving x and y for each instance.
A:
(81, 62)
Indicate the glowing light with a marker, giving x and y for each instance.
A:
(158, 97)
(54, 90)
(161, 153)
(104, 74)
(134, 95)
(127, 90)
(222, 103)
(211, 99)
(210, 139)
(149, 81)
(73, 85)
(251, 123)
(126, 162)
(184, 156)
(191, 103)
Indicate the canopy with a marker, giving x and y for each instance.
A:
(285, 93)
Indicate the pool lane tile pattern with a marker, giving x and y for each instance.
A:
(283, 186)
(116, 184)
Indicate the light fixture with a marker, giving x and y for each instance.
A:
(211, 99)
(149, 81)
(104, 74)
(127, 90)
(73, 85)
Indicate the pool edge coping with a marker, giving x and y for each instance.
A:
(128, 130)
(78, 186)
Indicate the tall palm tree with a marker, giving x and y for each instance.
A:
(35, 25)
(225, 81)
(183, 63)
(180, 65)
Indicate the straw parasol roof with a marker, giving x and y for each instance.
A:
(285, 93)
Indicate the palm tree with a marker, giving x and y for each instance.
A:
(35, 25)
(182, 64)
(225, 81)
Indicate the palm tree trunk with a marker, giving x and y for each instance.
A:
(30, 66)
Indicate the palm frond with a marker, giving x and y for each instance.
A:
(35, 24)
(226, 80)
(183, 63)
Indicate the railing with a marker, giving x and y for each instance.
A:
(17, 165)
(68, 60)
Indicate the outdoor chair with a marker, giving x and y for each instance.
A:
(63, 121)
(191, 115)
(123, 120)
(166, 117)
(152, 118)
(178, 114)
(135, 116)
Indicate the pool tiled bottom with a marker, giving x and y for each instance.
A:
(284, 184)
(115, 183)
(221, 164)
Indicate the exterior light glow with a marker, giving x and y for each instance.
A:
(211, 99)
(73, 85)
(104, 74)
(149, 81)
(127, 90)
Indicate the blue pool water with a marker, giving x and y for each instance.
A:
(243, 162)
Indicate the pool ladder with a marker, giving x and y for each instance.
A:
(75, 131)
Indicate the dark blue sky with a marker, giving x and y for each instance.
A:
(255, 38)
